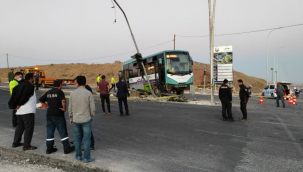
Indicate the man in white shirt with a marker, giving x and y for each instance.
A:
(26, 109)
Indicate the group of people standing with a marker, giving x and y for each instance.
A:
(120, 89)
(225, 96)
(81, 110)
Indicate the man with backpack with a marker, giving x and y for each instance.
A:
(244, 94)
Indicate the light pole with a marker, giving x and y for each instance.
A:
(272, 75)
(7, 61)
(204, 78)
(174, 41)
(211, 10)
(267, 52)
(138, 55)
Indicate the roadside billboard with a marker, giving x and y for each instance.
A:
(223, 64)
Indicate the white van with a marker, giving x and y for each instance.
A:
(270, 90)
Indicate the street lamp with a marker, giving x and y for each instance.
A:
(211, 10)
(267, 52)
(138, 55)
(272, 74)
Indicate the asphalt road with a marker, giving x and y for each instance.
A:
(180, 137)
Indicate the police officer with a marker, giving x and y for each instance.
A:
(225, 95)
(243, 94)
(55, 101)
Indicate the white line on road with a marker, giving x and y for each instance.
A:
(278, 123)
(260, 139)
(290, 135)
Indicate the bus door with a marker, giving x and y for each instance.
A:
(161, 72)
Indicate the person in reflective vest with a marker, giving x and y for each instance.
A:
(12, 84)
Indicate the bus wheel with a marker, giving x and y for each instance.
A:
(157, 92)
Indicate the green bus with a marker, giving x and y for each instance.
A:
(169, 71)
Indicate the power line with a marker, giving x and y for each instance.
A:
(88, 58)
(241, 33)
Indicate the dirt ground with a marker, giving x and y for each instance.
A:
(23, 166)
(91, 70)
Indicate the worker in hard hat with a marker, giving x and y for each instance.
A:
(18, 77)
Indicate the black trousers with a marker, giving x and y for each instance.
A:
(14, 118)
(243, 104)
(25, 124)
(59, 123)
(37, 84)
(124, 100)
(226, 107)
(282, 100)
(103, 99)
(114, 87)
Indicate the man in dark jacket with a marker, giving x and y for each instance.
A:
(12, 85)
(56, 106)
(280, 94)
(243, 94)
(122, 94)
(25, 101)
(225, 95)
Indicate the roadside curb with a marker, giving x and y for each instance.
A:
(37, 159)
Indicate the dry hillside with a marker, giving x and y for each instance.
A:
(91, 70)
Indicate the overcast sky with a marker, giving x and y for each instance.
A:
(83, 31)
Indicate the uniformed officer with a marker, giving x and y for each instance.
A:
(243, 94)
(225, 95)
(56, 106)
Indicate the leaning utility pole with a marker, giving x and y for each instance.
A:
(138, 55)
(211, 9)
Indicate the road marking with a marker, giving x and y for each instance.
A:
(278, 123)
(260, 139)
(290, 135)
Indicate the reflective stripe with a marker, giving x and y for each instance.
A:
(50, 139)
(64, 139)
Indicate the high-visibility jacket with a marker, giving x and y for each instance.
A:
(98, 79)
(12, 85)
(113, 80)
